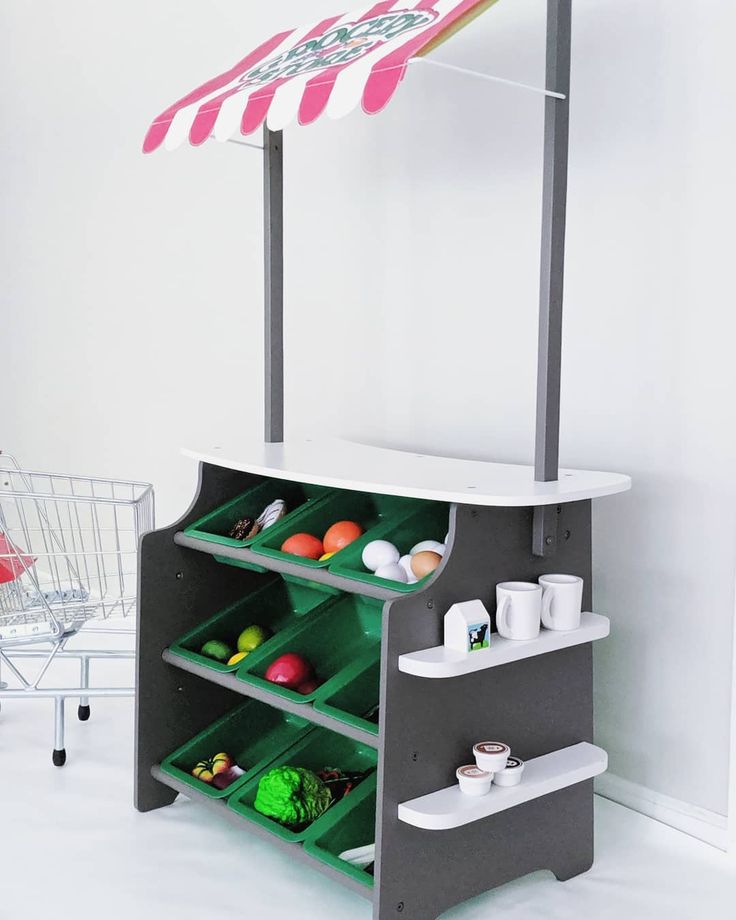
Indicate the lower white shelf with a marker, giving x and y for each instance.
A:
(444, 662)
(448, 808)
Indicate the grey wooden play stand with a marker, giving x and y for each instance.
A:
(434, 848)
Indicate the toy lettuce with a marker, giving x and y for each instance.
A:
(293, 796)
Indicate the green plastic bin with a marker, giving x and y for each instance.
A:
(254, 734)
(319, 749)
(278, 605)
(215, 526)
(365, 509)
(357, 696)
(331, 640)
(338, 831)
(429, 523)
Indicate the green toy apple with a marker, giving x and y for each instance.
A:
(216, 649)
(251, 637)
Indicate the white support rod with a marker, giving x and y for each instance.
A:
(234, 140)
(66, 693)
(487, 76)
(70, 653)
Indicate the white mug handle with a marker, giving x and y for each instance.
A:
(502, 623)
(547, 599)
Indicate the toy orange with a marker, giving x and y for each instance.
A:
(303, 544)
(340, 535)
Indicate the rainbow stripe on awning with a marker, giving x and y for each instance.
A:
(327, 68)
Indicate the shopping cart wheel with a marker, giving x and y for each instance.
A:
(83, 713)
(59, 757)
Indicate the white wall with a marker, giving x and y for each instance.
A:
(131, 294)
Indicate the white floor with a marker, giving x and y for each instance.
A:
(70, 841)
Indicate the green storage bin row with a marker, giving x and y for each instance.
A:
(367, 510)
(354, 699)
(315, 751)
(349, 829)
(314, 509)
(332, 640)
(215, 526)
(430, 522)
(253, 734)
(278, 605)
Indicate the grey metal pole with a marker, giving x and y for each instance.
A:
(273, 224)
(554, 213)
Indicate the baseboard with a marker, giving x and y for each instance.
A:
(707, 826)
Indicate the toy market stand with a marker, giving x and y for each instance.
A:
(395, 702)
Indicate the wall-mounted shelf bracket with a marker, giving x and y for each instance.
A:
(545, 530)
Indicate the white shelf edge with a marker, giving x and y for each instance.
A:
(441, 662)
(450, 808)
(362, 467)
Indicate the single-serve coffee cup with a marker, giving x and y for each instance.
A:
(511, 773)
(491, 755)
(562, 601)
(518, 609)
(473, 780)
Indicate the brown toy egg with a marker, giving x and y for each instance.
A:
(425, 562)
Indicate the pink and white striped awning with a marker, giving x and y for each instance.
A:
(327, 67)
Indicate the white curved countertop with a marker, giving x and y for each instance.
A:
(349, 465)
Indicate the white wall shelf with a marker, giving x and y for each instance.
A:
(348, 465)
(441, 662)
(450, 808)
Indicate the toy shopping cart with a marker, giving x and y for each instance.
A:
(68, 559)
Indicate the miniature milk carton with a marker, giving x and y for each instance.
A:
(467, 627)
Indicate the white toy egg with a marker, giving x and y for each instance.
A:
(393, 571)
(431, 546)
(405, 563)
(379, 553)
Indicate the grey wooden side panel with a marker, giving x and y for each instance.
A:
(429, 726)
(177, 589)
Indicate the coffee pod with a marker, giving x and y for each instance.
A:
(511, 774)
(491, 755)
(474, 781)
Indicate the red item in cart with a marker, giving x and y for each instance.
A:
(13, 561)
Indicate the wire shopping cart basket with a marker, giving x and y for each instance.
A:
(68, 558)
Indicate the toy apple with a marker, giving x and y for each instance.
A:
(252, 637)
(216, 649)
(309, 686)
(290, 671)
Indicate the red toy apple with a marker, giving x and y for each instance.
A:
(309, 686)
(290, 671)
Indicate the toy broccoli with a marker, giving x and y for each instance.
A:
(293, 796)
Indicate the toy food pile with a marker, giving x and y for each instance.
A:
(248, 527)
(337, 537)
(251, 638)
(384, 559)
(219, 771)
(293, 672)
(295, 796)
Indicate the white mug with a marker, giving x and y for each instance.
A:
(518, 610)
(562, 601)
